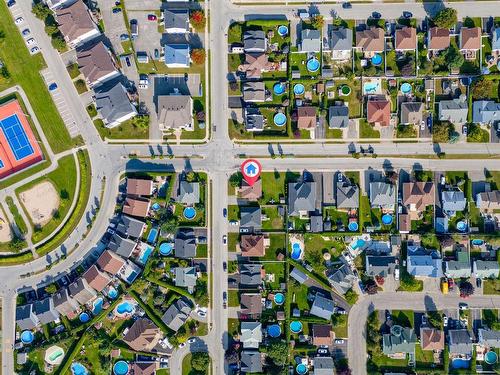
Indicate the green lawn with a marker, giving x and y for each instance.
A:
(130, 129)
(17, 216)
(316, 245)
(232, 240)
(298, 295)
(233, 298)
(274, 185)
(491, 286)
(275, 221)
(278, 270)
(366, 130)
(406, 131)
(404, 318)
(277, 245)
(26, 74)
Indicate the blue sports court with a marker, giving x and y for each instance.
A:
(16, 136)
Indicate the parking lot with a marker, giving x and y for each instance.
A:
(114, 24)
(149, 38)
(20, 22)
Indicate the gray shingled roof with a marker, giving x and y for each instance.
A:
(454, 111)
(453, 201)
(254, 41)
(401, 343)
(380, 265)
(122, 246)
(310, 41)
(338, 117)
(185, 243)
(176, 315)
(322, 307)
(189, 192)
(485, 112)
(250, 275)
(341, 40)
(347, 195)
(129, 226)
(176, 19)
(112, 101)
(250, 217)
(251, 361)
(460, 341)
(45, 312)
(382, 194)
(301, 197)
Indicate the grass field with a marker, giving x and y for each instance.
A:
(17, 216)
(26, 74)
(127, 130)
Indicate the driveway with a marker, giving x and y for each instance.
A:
(387, 132)
(352, 130)
(149, 5)
(114, 24)
(129, 69)
(494, 135)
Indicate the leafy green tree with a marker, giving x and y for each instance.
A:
(235, 32)
(277, 351)
(482, 88)
(475, 133)
(200, 361)
(51, 29)
(454, 58)
(235, 179)
(51, 289)
(318, 21)
(441, 132)
(16, 244)
(58, 42)
(446, 17)
(40, 10)
(351, 296)
(4, 72)
(191, 176)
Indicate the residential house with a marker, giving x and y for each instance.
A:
(254, 92)
(460, 267)
(338, 117)
(110, 262)
(382, 195)
(424, 266)
(253, 245)
(113, 104)
(45, 311)
(411, 113)
(96, 279)
(185, 277)
(406, 39)
(322, 307)
(453, 201)
(341, 44)
(454, 111)
(56, 4)
(323, 335)
(185, 243)
(370, 41)
(438, 39)
(124, 247)
(323, 366)
(301, 198)
(251, 335)
(129, 272)
(495, 40)
(378, 112)
(341, 278)
(251, 275)
(176, 21)
(251, 305)
(177, 55)
(143, 335)
(417, 196)
(81, 291)
(76, 24)
(64, 304)
(306, 118)
(175, 112)
(380, 265)
(298, 276)
(139, 187)
(431, 339)
(250, 192)
(488, 201)
(347, 194)
(251, 361)
(250, 217)
(254, 120)
(488, 338)
(176, 314)
(130, 227)
(470, 41)
(255, 64)
(96, 64)
(144, 368)
(486, 269)
(26, 318)
(460, 342)
(310, 41)
(138, 207)
(189, 193)
(399, 342)
(485, 112)
(254, 41)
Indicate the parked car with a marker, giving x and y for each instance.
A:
(224, 299)
(224, 239)
(30, 41)
(451, 283)
(445, 321)
(124, 37)
(376, 15)
(463, 306)
(35, 49)
(347, 5)
(191, 340)
(407, 14)
(429, 121)
(341, 311)
(127, 60)
(464, 130)
(424, 320)
(19, 20)
(118, 3)
(52, 86)
(224, 266)
(152, 17)
(117, 10)
(339, 341)
(422, 126)
(11, 3)
(388, 315)
(26, 32)
(156, 53)
(322, 351)
(181, 345)
(202, 314)
(224, 212)
(233, 222)
(478, 282)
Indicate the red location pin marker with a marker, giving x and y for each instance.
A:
(250, 169)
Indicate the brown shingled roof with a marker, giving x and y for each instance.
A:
(470, 38)
(96, 279)
(136, 186)
(143, 335)
(406, 38)
(136, 207)
(306, 117)
(74, 20)
(95, 62)
(439, 38)
(252, 245)
(110, 262)
(370, 40)
(379, 111)
(431, 339)
(251, 193)
(323, 335)
(420, 194)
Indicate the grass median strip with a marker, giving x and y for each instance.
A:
(21, 225)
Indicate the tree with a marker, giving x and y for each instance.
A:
(441, 132)
(351, 297)
(482, 88)
(408, 69)
(200, 361)
(235, 32)
(317, 21)
(277, 351)
(191, 176)
(466, 289)
(4, 72)
(236, 179)
(169, 225)
(58, 42)
(40, 10)
(51, 289)
(454, 59)
(446, 17)
(475, 133)
(371, 287)
(198, 56)
(197, 19)
(51, 29)
(16, 244)
(337, 22)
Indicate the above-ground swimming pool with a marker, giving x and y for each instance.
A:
(461, 226)
(359, 243)
(279, 298)
(353, 226)
(299, 89)
(84, 317)
(371, 87)
(145, 253)
(120, 368)
(54, 355)
(387, 219)
(376, 59)
(283, 30)
(301, 369)
(279, 88)
(189, 213)
(313, 65)
(458, 363)
(279, 119)
(345, 90)
(405, 88)
(153, 234)
(78, 369)
(112, 293)
(97, 306)
(27, 337)
(296, 326)
(296, 251)
(166, 248)
(125, 307)
(477, 242)
(274, 330)
(491, 357)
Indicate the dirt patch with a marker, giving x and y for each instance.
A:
(5, 231)
(41, 202)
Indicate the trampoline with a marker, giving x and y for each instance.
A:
(279, 298)
(296, 326)
(279, 88)
(301, 369)
(274, 330)
(166, 248)
(189, 213)
(376, 59)
(313, 65)
(353, 226)
(120, 368)
(406, 88)
(299, 89)
(84, 317)
(387, 219)
(283, 30)
(461, 226)
(27, 337)
(279, 119)
(491, 357)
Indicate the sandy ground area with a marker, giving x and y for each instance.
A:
(40, 201)
(5, 232)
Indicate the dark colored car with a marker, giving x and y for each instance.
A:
(124, 37)
(429, 121)
(52, 86)
(157, 53)
(151, 17)
(478, 283)
(407, 14)
(117, 10)
(376, 15)
(11, 3)
(224, 266)
(127, 60)
(347, 5)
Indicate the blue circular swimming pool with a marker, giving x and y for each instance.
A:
(491, 357)
(120, 368)
(78, 369)
(353, 226)
(283, 30)
(279, 298)
(462, 226)
(313, 65)
(299, 89)
(279, 119)
(27, 337)
(296, 326)
(387, 219)
(296, 251)
(279, 88)
(406, 88)
(376, 59)
(301, 369)
(189, 213)
(274, 330)
(166, 248)
(84, 317)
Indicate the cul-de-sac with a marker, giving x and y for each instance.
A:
(219, 187)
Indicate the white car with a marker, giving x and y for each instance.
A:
(191, 340)
(445, 321)
(30, 41)
(35, 49)
(224, 239)
(19, 20)
(339, 341)
(202, 314)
